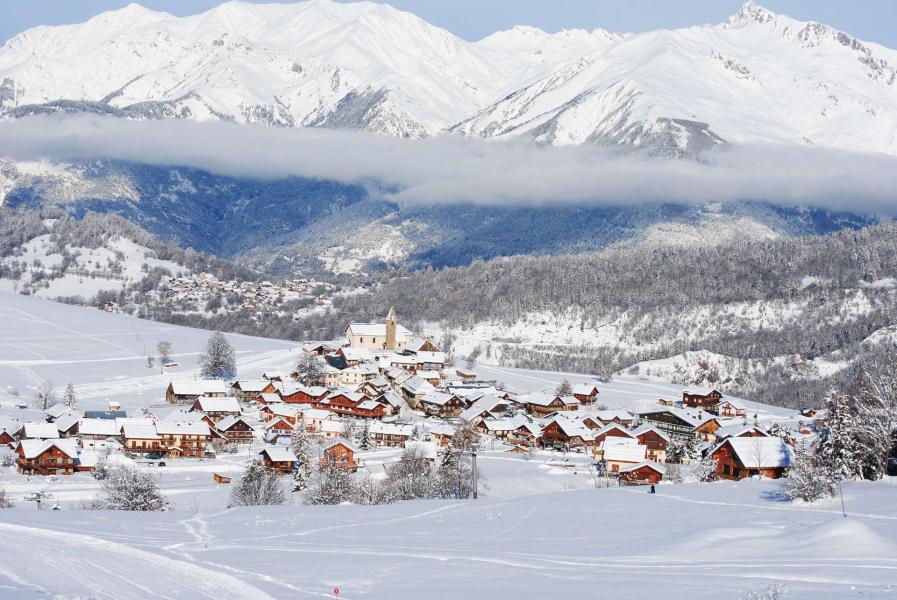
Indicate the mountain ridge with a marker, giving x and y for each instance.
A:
(757, 77)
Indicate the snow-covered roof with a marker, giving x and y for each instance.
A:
(252, 385)
(223, 404)
(65, 421)
(368, 405)
(34, 448)
(737, 431)
(356, 353)
(430, 357)
(416, 385)
(401, 429)
(761, 452)
(231, 420)
(585, 389)
(391, 398)
(340, 442)
(139, 432)
(56, 410)
(278, 423)
(105, 427)
(543, 400)
(333, 426)
(623, 449)
(279, 454)
(376, 329)
(200, 387)
(615, 413)
(644, 428)
(182, 428)
(270, 398)
(436, 398)
(40, 430)
(645, 463)
(614, 426)
(318, 413)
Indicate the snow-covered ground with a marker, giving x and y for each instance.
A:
(104, 355)
(539, 528)
(692, 541)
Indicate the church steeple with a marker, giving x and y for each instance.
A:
(391, 329)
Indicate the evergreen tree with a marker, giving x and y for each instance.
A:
(257, 487)
(301, 447)
(69, 398)
(364, 438)
(310, 370)
(219, 361)
(839, 450)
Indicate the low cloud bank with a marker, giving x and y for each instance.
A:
(456, 169)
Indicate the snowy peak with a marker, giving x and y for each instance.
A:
(758, 77)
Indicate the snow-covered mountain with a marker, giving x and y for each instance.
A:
(758, 77)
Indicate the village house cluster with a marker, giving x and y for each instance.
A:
(398, 389)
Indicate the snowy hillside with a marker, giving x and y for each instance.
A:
(758, 77)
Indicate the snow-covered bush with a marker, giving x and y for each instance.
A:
(129, 488)
(774, 592)
(301, 448)
(5, 502)
(331, 485)
(705, 471)
(807, 479)
(257, 487)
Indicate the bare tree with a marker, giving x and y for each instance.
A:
(310, 370)
(129, 488)
(257, 487)
(164, 350)
(44, 394)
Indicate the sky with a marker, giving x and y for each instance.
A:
(869, 20)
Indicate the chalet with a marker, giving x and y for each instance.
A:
(245, 390)
(587, 393)
(352, 404)
(277, 428)
(183, 438)
(291, 412)
(67, 424)
(395, 360)
(447, 406)
(477, 413)
(730, 431)
(618, 453)
(499, 428)
(392, 435)
(655, 441)
(314, 419)
(705, 399)
(379, 336)
(414, 389)
(268, 398)
(440, 434)
(98, 429)
(340, 453)
(706, 429)
(731, 408)
(353, 356)
(808, 412)
(7, 438)
(46, 457)
(236, 430)
(332, 429)
(187, 392)
(397, 377)
(562, 432)
(217, 407)
(391, 401)
(592, 422)
(642, 473)
(429, 360)
(320, 348)
(422, 345)
(740, 457)
(466, 375)
(618, 416)
(527, 434)
(141, 438)
(39, 431)
(222, 479)
(672, 421)
(611, 430)
(430, 376)
(545, 405)
(278, 459)
(303, 394)
(56, 410)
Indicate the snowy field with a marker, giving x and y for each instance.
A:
(706, 541)
(539, 529)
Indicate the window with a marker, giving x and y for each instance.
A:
(726, 469)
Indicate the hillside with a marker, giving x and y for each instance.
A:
(757, 77)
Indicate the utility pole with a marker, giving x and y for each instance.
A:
(473, 455)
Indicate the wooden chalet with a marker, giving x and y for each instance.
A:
(304, 395)
(612, 430)
(672, 421)
(587, 393)
(562, 432)
(183, 438)
(655, 441)
(141, 438)
(642, 473)
(245, 390)
(704, 399)
(341, 454)
(441, 404)
(187, 392)
(236, 430)
(619, 453)
(46, 457)
(392, 435)
(278, 427)
(741, 457)
(731, 408)
(706, 429)
(278, 459)
(217, 407)
(546, 405)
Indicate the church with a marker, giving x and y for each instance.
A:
(379, 336)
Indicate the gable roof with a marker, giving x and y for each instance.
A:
(231, 420)
(105, 427)
(34, 448)
(279, 454)
(38, 430)
(646, 427)
(182, 428)
(376, 329)
(623, 449)
(198, 388)
(223, 404)
(645, 463)
(252, 385)
(760, 452)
